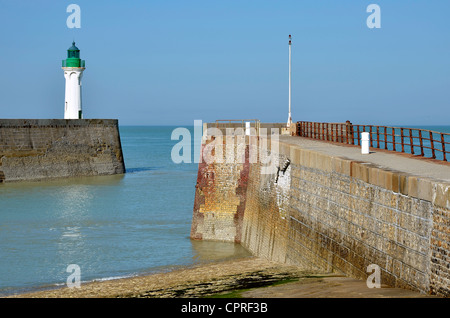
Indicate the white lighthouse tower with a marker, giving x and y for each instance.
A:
(73, 68)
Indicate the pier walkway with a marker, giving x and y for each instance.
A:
(401, 162)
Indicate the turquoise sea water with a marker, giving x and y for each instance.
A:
(110, 226)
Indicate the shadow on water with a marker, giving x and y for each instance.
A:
(207, 251)
(140, 169)
(70, 181)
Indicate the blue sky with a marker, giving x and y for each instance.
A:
(170, 62)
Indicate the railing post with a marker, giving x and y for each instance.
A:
(385, 138)
(378, 137)
(432, 145)
(393, 139)
(421, 143)
(403, 144)
(443, 146)
(357, 136)
(332, 132)
(352, 134)
(336, 133)
(346, 133)
(411, 140)
(349, 128)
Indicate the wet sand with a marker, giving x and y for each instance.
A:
(249, 277)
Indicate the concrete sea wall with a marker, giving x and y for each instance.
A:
(327, 213)
(35, 149)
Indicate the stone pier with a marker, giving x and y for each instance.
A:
(327, 207)
(37, 149)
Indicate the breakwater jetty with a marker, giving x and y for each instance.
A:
(325, 206)
(36, 149)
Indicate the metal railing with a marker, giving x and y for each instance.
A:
(415, 141)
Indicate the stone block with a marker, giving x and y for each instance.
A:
(360, 170)
(393, 181)
(312, 159)
(295, 155)
(285, 149)
(373, 176)
(305, 158)
(346, 166)
(327, 163)
(412, 187)
(441, 196)
(273, 145)
(403, 183)
(425, 189)
(336, 165)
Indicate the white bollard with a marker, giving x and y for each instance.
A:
(247, 128)
(365, 138)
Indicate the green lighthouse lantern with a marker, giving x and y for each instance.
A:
(73, 58)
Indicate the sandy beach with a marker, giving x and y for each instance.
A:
(249, 277)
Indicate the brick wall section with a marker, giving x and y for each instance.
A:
(346, 215)
(440, 252)
(334, 214)
(265, 225)
(35, 149)
(220, 196)
(345, 224)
